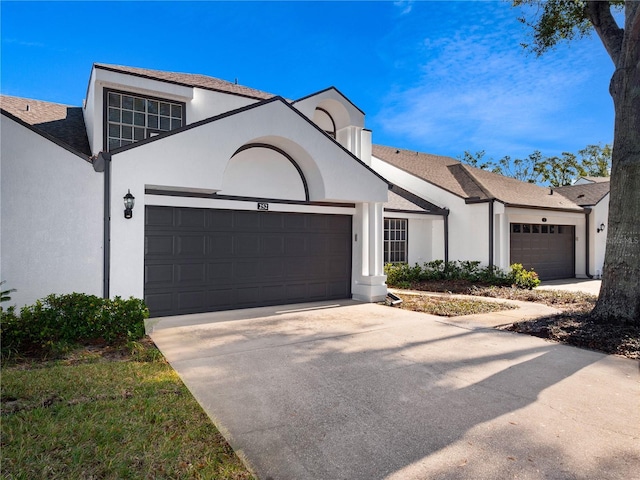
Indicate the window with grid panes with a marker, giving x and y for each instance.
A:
(131, 118)
(395, 240)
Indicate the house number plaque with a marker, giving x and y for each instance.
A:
(263, 206)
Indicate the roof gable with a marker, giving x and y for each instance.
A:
(62, 124)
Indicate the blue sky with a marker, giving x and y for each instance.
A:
(438, 77)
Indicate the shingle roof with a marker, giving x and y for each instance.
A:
(62, 122)
(471, 183)
(396, 202)
(400, 200)
(586, 194)
(189, 80)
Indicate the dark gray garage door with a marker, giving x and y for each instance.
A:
(201, 260)
(548, 249)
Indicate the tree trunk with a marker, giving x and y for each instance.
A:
(619, 300)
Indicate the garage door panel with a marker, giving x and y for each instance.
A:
(219, 220)
(247, 221)
(274, 293)
(220, 245)
(272, 268)
(244, 271)
(246, 245)
(338, 289)
(294, 223)
(195, 272)
(191, 245)
(191, 300)
(272, 245)
(159, 217)
(248, 295)
(297, 291)
(159, 303)
(159, 245)
(317, 246)
(295, 245)
(222, 299)
(190, 218)
(158, 274)
(317, 290)
(336, 267)
(211, 260)
(219, 271)
(274, 221)
(295, 268)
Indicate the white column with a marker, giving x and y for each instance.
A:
(369, 281)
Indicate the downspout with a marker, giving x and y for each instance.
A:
(491, 239)
(446, 236)
(587, 212)
(102, 163)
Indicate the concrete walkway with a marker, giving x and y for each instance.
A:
(573, 285)
(361, 391)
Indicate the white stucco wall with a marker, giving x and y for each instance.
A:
(262, 173)
(598, 240)
(343, 112)
(468, 223)
(426, 236)
(51, 215)
(197, 159)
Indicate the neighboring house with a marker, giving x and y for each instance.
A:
(243, 198)
(481, 216)
(592, 193)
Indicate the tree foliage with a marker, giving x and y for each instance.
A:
(591, 161)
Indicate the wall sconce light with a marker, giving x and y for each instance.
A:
(129, 202)
(601, 228)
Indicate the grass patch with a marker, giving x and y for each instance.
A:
(450, 307)
(103, 413)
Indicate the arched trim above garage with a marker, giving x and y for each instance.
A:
(262, 170)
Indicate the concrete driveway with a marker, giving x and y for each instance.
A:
(361, 391)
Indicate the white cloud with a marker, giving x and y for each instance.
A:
(405, 6)
(477, 90)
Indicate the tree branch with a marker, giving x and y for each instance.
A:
(611, 35)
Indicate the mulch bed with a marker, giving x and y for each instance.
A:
(573, 326)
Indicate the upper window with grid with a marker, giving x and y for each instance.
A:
(132, 118)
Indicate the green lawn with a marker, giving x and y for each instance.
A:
(97, 417)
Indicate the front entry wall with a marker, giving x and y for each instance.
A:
(199, 260)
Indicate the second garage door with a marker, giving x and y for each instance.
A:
(201, 260)
(548, 249)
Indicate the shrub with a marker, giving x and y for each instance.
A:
(523, 278)
(404, 276)
(54, 323)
